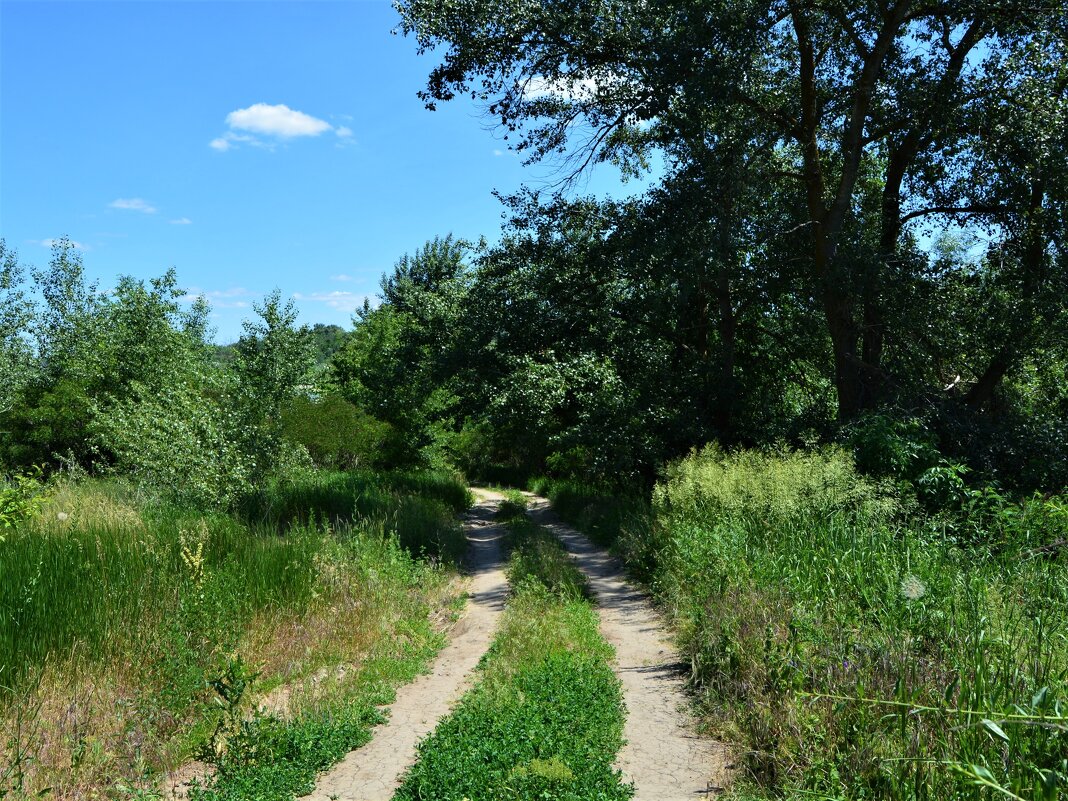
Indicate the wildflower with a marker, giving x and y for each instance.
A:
(912, 588)
(62, 517)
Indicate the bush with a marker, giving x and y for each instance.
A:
(336, 434)
(179, 443)
(924, 655)
(21, 497)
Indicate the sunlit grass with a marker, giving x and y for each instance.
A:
(545, 718)
(115, 610)
(853, 648)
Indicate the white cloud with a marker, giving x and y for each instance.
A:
(498, 152)
(133, 204)
(341, 277)
(219, 298)
(182, 221)
(280, 121)
(342, 301)
(49, 243)
(229, 139)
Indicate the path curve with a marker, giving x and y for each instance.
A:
(373, 772)
(663, 756)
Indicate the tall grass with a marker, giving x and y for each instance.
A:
(128, 604)
(854, 648)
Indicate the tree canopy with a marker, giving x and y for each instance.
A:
(844, 138)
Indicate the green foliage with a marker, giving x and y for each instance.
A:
(21, 497)
(276, 760)
(391, 366)
(779, 488)
(894, 445)
(180, 442)
(326, 341)
(162, 567)
(814, 610)
(336, 434)
(16, 361)
(106, 582)
(556, 739)
(791, 197)
(272, 365)
(538, 557)
(513, 507)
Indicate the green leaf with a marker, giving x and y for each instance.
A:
(995, 729)
(1039, 699)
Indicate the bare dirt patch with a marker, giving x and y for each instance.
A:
(373, 772)
(664, 756)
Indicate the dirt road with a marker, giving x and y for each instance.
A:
(373, 772)
(663, 756)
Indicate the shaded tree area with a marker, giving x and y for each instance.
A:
(860, 225)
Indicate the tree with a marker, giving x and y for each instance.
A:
(16, 314)
(855, 108)
(398, 364)
(272, 365)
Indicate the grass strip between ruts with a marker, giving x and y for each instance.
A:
(545, 719)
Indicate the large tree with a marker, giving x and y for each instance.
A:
(863, 111)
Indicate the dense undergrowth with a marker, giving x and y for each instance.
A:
(133, 627)
(545, 719)
(852, 645)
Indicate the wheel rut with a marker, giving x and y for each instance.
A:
(373, 772)
(663, 755)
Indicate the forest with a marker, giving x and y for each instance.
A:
(810, 386)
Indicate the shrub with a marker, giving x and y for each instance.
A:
(179, 443)
(336, 434)
(21, 497)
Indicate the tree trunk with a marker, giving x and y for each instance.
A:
(982, 391)
(728, 390)
(848, 377)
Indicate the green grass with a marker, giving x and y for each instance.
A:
(537, 557)
(273, 759)
(849, 646)
(545, 719)
(513, 507)
(115, 610)
(601, 513)
(410, 503)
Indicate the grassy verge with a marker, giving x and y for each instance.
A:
(853, 647)
(605, 517)
(122, 622)
(545, 719)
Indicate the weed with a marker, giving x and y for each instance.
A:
(126, 606)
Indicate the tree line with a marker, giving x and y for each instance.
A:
(860, 225)
(858, 234)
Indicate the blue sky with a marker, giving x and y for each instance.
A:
(250, 145)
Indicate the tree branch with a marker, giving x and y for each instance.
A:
(978, 208)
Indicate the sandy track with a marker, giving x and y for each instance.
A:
(663, 756)
(373, 772)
